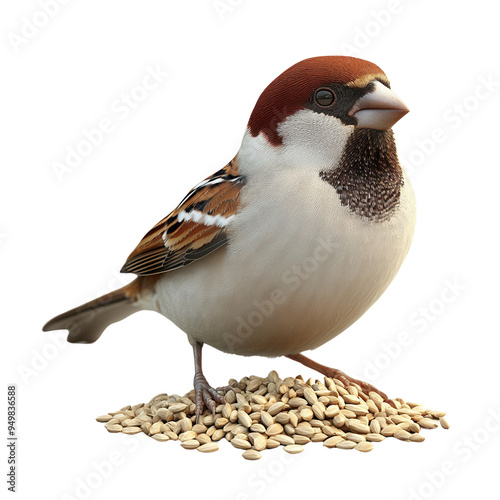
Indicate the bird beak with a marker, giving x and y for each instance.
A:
(380, 109)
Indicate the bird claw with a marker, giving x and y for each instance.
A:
(333, 373)
(206, 396)
(365, 386)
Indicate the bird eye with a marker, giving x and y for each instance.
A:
(324, 97)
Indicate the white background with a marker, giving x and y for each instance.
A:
(64, 238)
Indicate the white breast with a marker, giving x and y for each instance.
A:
(299, 268)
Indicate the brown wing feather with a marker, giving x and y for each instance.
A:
(194, 229)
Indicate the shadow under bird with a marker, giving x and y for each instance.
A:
(292, 241)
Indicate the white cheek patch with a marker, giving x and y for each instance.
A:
(205, 219)
(308, 128)
(313, 139)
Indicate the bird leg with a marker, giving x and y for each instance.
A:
(338, 374)
(205, 394)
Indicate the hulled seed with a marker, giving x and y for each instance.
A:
(266, 413)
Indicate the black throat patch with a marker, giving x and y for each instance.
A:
(369, 178)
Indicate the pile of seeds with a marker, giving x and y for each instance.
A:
(263, 413)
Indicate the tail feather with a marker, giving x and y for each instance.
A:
(87, 322)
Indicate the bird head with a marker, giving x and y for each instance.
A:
(317, 104)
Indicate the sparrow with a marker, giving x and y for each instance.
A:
(292, 241)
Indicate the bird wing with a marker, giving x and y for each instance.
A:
(196, 228)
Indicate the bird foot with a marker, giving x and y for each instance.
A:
(340, 375)
(207, 396)
(365, 386)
